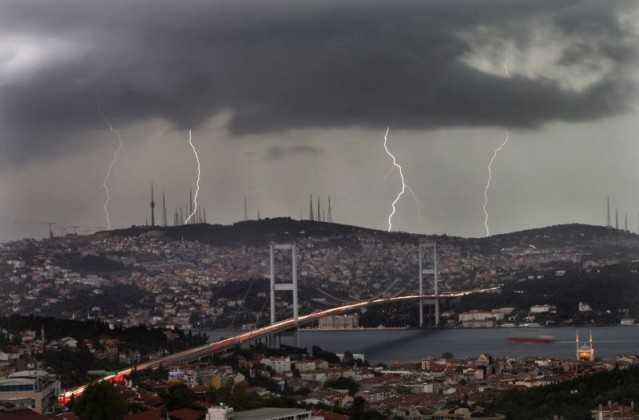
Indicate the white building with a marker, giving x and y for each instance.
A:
(339, 322)
(539, 309)
(278, 364)
(480, 319)
(219, 413)
(269, 413)
(584, 307)
(481, 315)
(37, 385)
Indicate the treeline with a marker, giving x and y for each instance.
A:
(572, 399)
(140, 338)
(613, 288)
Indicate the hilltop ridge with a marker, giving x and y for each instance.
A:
(261, 232)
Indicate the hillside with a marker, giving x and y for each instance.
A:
(216, 275)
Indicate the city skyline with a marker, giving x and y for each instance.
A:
(286, 100)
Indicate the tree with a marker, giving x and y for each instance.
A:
(100, 401)
(447, 355)
(348, 359)
(343, 383)
(179, 396)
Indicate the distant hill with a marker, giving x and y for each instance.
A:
(558, 235)
(261, 232)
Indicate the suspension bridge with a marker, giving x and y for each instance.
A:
(275, 327)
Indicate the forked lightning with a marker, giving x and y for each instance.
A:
(490, 176)
(108, 173)
(197, 185)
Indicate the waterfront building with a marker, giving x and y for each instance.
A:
(540, 309)
(339, 322)
(480, 319)
(584, 307)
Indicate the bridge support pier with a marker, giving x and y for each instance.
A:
(292, 286)
(423, 247)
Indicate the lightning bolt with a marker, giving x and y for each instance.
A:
(490, 175)
(197, 189)
(108, 173)
(401, 176)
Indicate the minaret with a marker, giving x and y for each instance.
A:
(245, 210)
(164, 222)
(608, 223)
(310, 212)
(330, 215)
(319, 214)
(152, 207)
(616, 217)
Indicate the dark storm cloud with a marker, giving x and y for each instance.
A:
(282, 64)
(279, 152)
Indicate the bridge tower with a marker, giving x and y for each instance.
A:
(423, 248)
(292, 286)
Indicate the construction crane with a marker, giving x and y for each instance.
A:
(83, 229)
(36, 222)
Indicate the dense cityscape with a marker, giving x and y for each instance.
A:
(173, 281)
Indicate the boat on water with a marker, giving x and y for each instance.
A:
(540, 339)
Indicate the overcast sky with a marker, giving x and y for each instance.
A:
(287, 98)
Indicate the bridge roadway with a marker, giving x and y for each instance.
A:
(221, 345)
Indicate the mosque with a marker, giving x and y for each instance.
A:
(584, 350)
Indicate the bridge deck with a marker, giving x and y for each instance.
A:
(221, 345)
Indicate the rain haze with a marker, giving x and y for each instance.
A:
(285, 99)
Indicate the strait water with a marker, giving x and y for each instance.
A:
(401, 345)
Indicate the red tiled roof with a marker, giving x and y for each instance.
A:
(329, 415)
(152, 414)
(66, 416)
(187, 414)
(25, 414)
